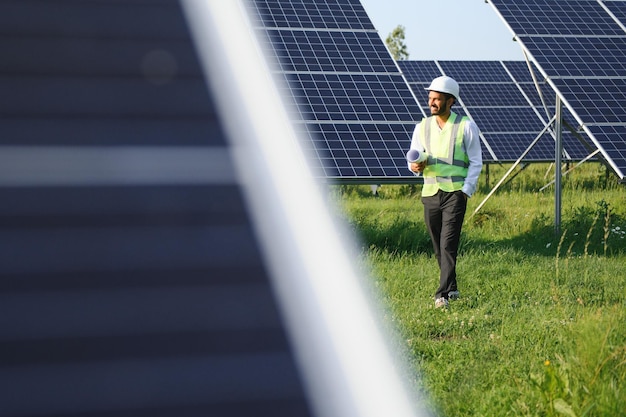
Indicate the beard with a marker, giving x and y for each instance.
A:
(436, 111)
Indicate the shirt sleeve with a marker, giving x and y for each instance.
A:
(415, 144)
(471, 140)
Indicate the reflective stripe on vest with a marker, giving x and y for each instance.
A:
(447, 161)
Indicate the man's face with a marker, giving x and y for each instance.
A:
(439, 103)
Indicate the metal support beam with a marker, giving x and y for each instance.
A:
(588, 157)
(558, 152)
(513, 166)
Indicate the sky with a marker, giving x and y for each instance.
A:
(446, 29)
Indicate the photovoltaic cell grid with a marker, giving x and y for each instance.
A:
(342, 98)
(577, 57)
(332, 51)
(522, 71)
(348, 97)
(579, 46)
(618, 8)
(558, 18)
(300, 14)
(598, 100)
(502, 99)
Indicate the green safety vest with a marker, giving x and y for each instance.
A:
(447, 160)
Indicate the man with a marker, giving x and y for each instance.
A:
(450, 177)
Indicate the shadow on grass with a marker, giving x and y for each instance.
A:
(586, 232)
(397, 236)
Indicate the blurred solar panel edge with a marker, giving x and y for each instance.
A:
(132, 281)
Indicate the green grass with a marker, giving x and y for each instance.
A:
(540, 329)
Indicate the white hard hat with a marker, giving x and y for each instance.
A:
(445, 84)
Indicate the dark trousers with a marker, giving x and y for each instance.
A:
(444, 214)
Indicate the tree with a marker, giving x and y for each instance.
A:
(395, 44)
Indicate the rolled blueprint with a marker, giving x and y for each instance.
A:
(416, 156)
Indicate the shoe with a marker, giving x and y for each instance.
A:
(454, 295)
(441, 302)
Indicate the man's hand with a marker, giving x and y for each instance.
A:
(418, 166)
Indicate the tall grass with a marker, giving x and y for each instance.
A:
(540, 329)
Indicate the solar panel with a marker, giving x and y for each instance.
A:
(517, 143)
(600, 101)
(579, 47)
(507, 119)
(475, 71)
(298, 14)
(343, 149)
(563, 18)
(611, 138)
(545, 97)
(521, 71)
(578, 56)
(493, 95)
(318, 51)
(351, 97)
(419, 71)
(131, 279)
(347, 93)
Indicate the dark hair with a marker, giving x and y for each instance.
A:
(448, 95)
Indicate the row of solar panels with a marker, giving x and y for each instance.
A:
(579, 47)
(352, 104)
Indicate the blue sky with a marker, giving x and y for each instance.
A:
(446, 29)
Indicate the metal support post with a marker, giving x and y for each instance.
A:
(558, 151)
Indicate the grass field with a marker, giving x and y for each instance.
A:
(540, 328)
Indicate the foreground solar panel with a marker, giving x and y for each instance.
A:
(349, 99)
(579, 47)
(501, 97)
(138, 277)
